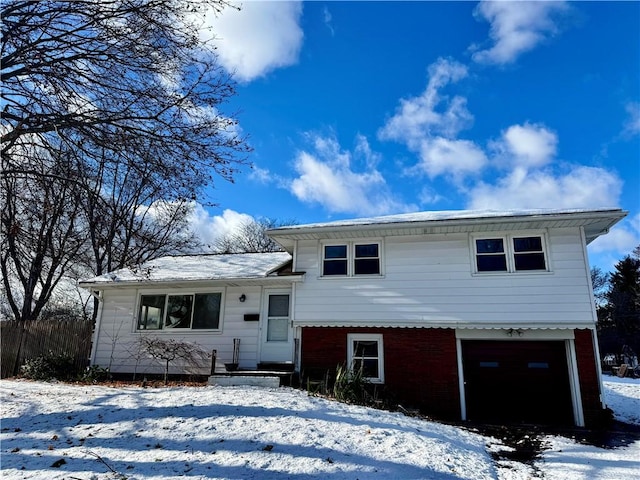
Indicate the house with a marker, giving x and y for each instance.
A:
(474, 315)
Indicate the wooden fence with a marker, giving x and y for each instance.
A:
(21, 341)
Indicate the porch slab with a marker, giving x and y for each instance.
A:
(240, 380)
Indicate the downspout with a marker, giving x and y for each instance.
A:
(461, 382)
(594, 317)
(297, 333)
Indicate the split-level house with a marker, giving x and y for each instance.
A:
(473, 315)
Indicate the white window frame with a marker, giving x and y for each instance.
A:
(510, 253)
(169, 293)
(367, 337)
(351, 257)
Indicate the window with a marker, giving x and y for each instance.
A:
(510, 254)
(335, 260)
(200, 311)
(528, 253)
(351, 259)
(365, 352)
(490, 255)
(278, 318)
(366, 259)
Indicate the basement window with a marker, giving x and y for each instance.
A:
(365, 352)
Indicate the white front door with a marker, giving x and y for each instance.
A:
(276, 331)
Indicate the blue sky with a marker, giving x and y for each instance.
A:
(370, 108)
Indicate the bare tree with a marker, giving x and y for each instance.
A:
(168, 350)
(41, 234)
(86, 71)
(600, 284)
(250, 237)
(125, 96)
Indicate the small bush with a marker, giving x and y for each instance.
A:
(47, 367)
(351, 386)
(94, 374)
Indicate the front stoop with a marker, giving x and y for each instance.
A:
(227, 380)
(267, 374)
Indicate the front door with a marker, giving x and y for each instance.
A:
(276, 331)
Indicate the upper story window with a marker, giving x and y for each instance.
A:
(199, 311)
(335, 260)
(352, 258)
(510, 253)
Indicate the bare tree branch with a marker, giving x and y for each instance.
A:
(112, 126)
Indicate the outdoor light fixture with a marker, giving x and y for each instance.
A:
(511, 332)
(243, 297)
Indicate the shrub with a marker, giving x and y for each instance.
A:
(48, 366)
(351, 386)
(94, 374)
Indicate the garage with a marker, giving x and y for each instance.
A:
(517, 382)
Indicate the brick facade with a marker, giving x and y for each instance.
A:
(589, 384)
(420, 364)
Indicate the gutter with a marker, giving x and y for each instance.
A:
(613, 214)
(294, 278)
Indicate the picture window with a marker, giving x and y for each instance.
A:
(199, 311)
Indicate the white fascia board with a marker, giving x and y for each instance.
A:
(608, 217)
(229, 282)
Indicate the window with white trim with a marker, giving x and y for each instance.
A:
(278, 318)
(366, 352)
(192, 311)
(510, 253)
(351, 259)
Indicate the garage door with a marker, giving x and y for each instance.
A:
(517, 382)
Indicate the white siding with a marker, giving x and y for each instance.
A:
(117, 339)
(429, 280)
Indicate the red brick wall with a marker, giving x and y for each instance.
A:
(420, 364)
(589, 384)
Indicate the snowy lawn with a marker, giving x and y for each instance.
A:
(61, 431)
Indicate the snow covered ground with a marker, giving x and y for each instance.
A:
(71, 432)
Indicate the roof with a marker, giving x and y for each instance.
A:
(227, 269)
(596, 222)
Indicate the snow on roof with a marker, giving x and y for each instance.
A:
(196, 267)
(444, 215)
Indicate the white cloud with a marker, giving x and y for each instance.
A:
(417, 118)
(259, 38)
(428, 125)
(429, 196)
(582, 187)
(327, 177)
(516, 27)
(327, 17)
(208, 228)
(526, 146)
(609, 249)
(261, 175)
(442, 156)
(622, 238)
(632, 125)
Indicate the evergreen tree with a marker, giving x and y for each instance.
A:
(623, 300)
